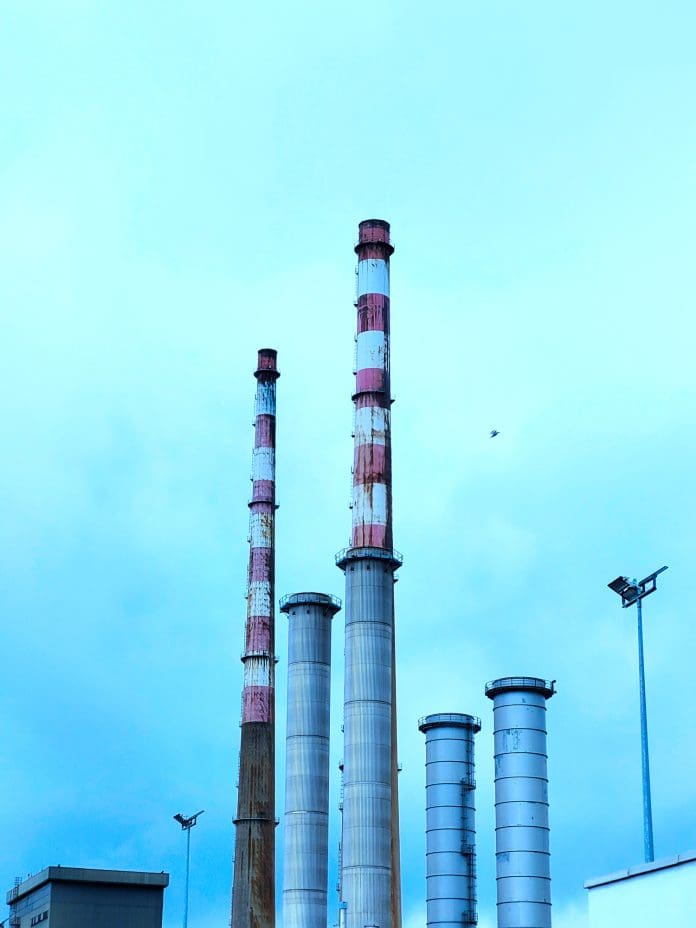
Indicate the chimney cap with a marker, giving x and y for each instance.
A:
(326, 600)
(267, 363)
(449, 720)
(374, 232)
(524, 684)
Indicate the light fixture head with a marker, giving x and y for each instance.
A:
(187, 823)
(631, 591)
(619, 585)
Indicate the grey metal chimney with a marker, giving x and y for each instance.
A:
(306, 858)
(523, 872)
(450, 826)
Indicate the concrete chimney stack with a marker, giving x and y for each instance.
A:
(370, 870)
(523, 872)
(306, 857)
(450, 827)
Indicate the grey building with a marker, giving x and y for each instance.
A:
(73, 897)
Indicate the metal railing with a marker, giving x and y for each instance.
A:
(384, 554)
(521, 683)
(452, 718)
(309, 598)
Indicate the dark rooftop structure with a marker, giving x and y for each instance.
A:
(74, 897)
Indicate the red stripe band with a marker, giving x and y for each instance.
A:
(371, 380)
(373, 313)
(263, 492)
(370, 464)
(265, 431)
(370, 536)
(258, 636)
(257, 704)
(261, 564)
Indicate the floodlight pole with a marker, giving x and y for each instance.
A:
(188, 866)
(647, 802)
(633, 591)
(187, 824)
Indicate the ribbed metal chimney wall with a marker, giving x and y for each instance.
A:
(370, 879)
(306, 856)
(450, 826)
(253, 887)
(523, 870)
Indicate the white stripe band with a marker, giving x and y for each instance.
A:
(259, 597)
(266, 398)
(371, 425)
(257, 671)
(263, 464)
(373, 276)
(371, 350)
(369, 504)
(261, 529)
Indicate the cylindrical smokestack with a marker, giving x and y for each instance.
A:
(253, 887)
(450, 825)
(306, 858)
(370, 882)
(372, 522)
(523, 871)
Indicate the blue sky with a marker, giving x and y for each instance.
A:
(181, 184)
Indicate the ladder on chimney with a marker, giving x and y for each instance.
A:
(339, 884)
(469, 917)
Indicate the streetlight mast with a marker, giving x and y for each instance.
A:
(187, 824)
(634, 591)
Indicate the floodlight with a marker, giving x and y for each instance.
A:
(632, 591)
(187, 822)
(619, 585)
(627, 589)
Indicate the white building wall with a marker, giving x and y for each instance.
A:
(660, 894)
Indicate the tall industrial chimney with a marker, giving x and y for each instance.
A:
(370, 879)
(450, 825)
(306, 857)
(523, 870)
(253, 887)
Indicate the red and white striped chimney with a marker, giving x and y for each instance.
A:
(372, 503)
(253, 889)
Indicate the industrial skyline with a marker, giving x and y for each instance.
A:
(369, 880)
(182, 186)
(369, 865)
